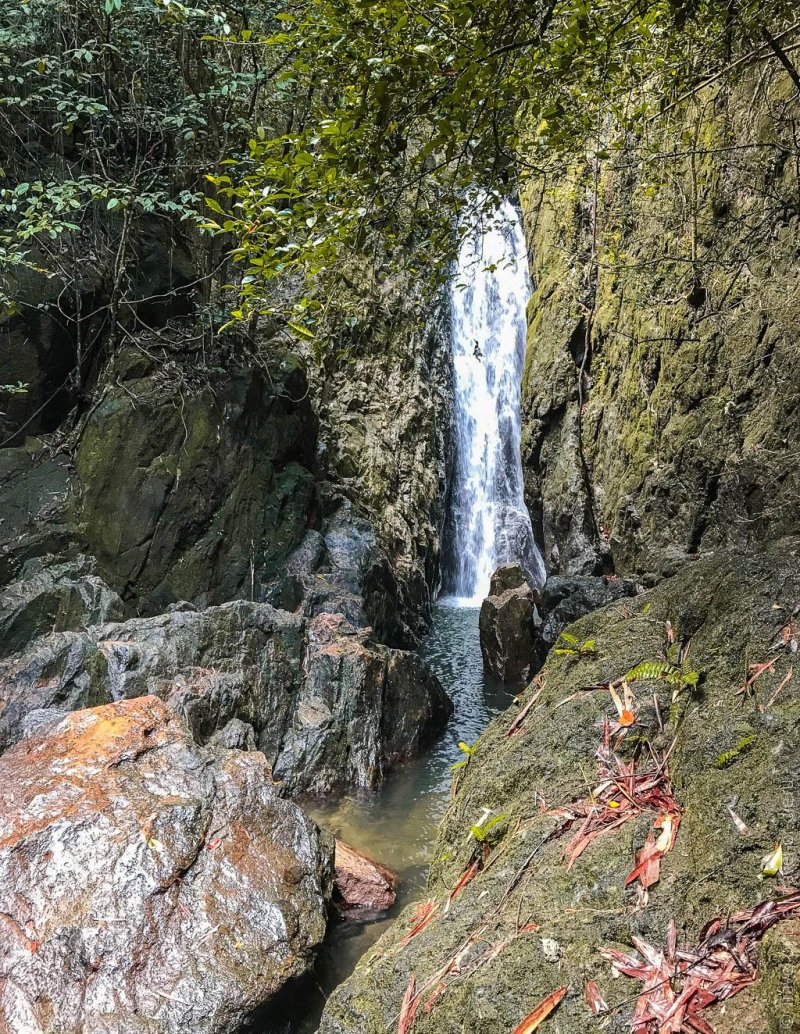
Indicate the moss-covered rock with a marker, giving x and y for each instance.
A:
(661, 389)
(727, 611)
(195, 494)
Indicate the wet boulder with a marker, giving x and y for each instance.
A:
(362, 887)
(147, 885)
(507, 625)
(363, 708)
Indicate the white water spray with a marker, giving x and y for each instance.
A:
(489, 523)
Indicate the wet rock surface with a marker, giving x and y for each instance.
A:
(362, 887)
(507, 626)
(326, 704)
(148, 885)
(524, 924)
(54, 598)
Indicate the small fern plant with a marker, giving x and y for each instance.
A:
(569, 645)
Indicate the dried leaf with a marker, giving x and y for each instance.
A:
(594, 999)
(408, 1009)
(425, 911)
(533, 1020)
(466, 876)
(740, 825)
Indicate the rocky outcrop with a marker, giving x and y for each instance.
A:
(363, 709)
(53, 598)
(517, 918)
(507, 626)
(192, 491)
(147, 885)
(324, 703)
(362, 888)
(661, 391)
(383, 397)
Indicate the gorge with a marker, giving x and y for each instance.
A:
(399, 437)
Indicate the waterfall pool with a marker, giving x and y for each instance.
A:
(396, 825)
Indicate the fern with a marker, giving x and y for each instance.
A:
(483, 833)
(650, 670)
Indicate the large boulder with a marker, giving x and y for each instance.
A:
(327, 705)
(148, 886)
(363, 709)
(507, 921)
(507, 626)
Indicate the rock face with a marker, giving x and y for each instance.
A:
(328, 706)
(564, 600)
(384, 400)
(197, 496)
(730, 752)
(361, 886)
(677, 429)
(147, 885)
(55, 598)
(507, 628)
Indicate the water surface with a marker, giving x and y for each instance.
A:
(396, 825)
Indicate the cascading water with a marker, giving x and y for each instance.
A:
(488, 522)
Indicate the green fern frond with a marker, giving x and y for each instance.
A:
(650, 670)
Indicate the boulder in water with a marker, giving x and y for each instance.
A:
(362, 887)
(507, 625)
(149, 886)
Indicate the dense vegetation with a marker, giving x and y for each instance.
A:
(329, 135)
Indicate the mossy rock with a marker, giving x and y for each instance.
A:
(729, 608)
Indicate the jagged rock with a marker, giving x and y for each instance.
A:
(54, 598)
(564, 600)
(361, 886)
(64, 670)
(507, 628)
(363, 708)
(325, 704)
(725, 751)
(146, 885)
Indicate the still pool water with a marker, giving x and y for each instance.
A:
(396, 825)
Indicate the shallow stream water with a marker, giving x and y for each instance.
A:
(396, 825)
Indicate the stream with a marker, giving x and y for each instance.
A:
(397, 825)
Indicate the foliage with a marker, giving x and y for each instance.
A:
(570, 646)
(674, 674)
(487, 832)
(401, 109)
(111, 113)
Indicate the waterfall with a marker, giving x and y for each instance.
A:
(488, 522)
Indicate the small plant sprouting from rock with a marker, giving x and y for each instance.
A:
(486, 832)
(466, 749)
(729, 756)
(674, 674)
(570, 646)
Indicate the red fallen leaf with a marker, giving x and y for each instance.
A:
(594, 999)
(466, 876)
(213, 843)
(408, 1009)
(648, 864)
(627, 718)
(435, 995)
(425, 911)
(540, 1013)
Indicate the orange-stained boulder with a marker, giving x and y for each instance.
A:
(146, 884)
